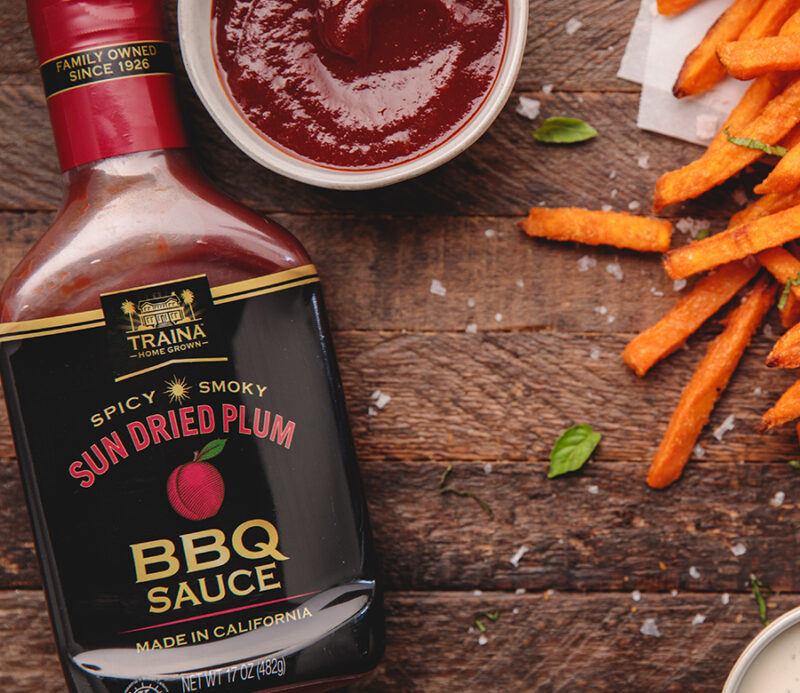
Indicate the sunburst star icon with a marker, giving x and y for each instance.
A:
(177, 389)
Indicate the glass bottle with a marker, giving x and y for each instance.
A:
(175, 401)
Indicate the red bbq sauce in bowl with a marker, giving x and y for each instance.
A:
(359, 84)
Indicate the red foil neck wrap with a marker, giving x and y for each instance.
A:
(107, 70)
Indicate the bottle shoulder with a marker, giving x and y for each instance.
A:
(162, 223)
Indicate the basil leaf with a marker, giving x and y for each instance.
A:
(573, 447)
(758, 588)
(755, 144)
(211, 449)
(794, 464)
(564, 131)
(787, 289)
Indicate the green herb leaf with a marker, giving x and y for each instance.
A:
(444, 490)
(755, 144)
(573, 447)
(564, 131)
(759, 588)
(210, 450)
(787, 289)
(795, 464)
(491, 615)
(480, 625)
(702, 233)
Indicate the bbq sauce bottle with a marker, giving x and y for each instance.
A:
(176, 407)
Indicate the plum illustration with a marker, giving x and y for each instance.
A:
(196, 489)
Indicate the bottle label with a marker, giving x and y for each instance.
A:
(104, 63)
(193, 485)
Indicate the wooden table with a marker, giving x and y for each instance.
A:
(546, 355)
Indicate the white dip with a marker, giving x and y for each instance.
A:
(776, 669)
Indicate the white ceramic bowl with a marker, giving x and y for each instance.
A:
(758, 648)
(194, 27)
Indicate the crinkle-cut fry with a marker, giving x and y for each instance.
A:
(701, 70)
(673, 7)
(710, 378)
(718, 164)
(734, 244)
(786, 409)
(770, 19)
(749, 59)
(706, 297)
(599, 228)
(764, 206)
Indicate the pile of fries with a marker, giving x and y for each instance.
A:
(757, 39)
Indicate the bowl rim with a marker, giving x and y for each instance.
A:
(757, 645)
(196, 41)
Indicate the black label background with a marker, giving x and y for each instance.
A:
(105, 65)
(310, 492)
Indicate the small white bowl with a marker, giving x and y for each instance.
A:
(760, 647)
(197, 48)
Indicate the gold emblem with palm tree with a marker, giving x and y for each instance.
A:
(160, 311)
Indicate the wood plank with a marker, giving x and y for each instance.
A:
(624, 536)
(504, 173)
(588, 59)
(562, 642)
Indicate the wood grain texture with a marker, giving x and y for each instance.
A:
(551, 643)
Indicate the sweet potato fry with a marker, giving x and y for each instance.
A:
(734, 244)
(709, 380)
(785, 177)
(719, 163)
(701, 70)
(787, 408)
(689, 313)
(748, 59)
(599, 228)
(764, 206)
(672, 7)
(770, 19)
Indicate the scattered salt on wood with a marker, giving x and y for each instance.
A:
(698, 619)
(699, 451)
(487, 468)
(725, 426)
(769, 333)
(476, 593)
(655, 291)
(601, 309)
(679, 285)
(612, 175)
(674, 593)
(614, 193)
(739, 549)
(520, 283)
(650, 628)
(614, 269)
(372, 411)
(606, 208)
(611, 318)
(643, 161)
(547, 88)
(594, 490)
(490, 233)
(515, 611)
(519, 590)
(381, 399)
(757, 391)
(691, 226)
(636, 595)
(585, 263)
(706, 126)
(594, 353)
(483, 639)
(470, 303)
(498, 317)
(633, 205)
(472, 328)
(725, 599)
(740, 197)
(528, 108)
(694, 572)
(437, 288)
(517, 557)
(777, 500)
(572, 25)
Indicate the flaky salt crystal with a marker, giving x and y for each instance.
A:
(594, 353)
(483, 639)
(650, 628)
(472, 328)
(725, 599)
(679, 285)
(487, 468)
(739, 549)
(699, 451)
(698, 619)
(643, 161)
(694, 572)
(740, 197)
(381, 399)
(610, 319)
(633, 204)
(498, 317)
(520, 283)
(777, 500)
(612, 175)
(655, 291)
(572, 25)
(585, 263)
(706, 126)
(437, 288)
(470, 303)
(606, 207)
(601, 309)
(636, 595)
(594, 490)
(614, 193)
(615, 270)
(490, 233)
(519, 590)
(691, 226)
(517, 557)
(528, 108)
(725, 426)
(547, 88)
